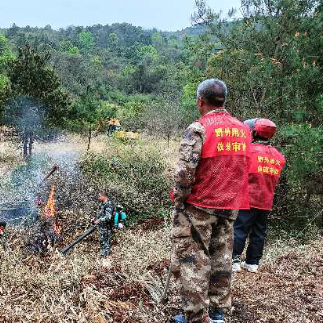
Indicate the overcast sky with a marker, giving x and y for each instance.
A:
(163, 14)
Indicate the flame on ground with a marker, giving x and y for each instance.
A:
(50, 211)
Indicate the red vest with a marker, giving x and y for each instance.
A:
(266, 165)
(221, 179)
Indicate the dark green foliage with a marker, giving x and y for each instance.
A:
(118, 47)
(85, 112)
(6, 57)
(125, 67)
(34, 98)
(271, 61)
(31, 76)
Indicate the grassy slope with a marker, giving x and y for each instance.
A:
(125, 288)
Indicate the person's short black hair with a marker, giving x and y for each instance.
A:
(3, 224)
(104, 193)
(213, 91)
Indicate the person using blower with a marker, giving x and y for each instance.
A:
(104, 221)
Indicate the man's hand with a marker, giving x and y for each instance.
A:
(96, 222)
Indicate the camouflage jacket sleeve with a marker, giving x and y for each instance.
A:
(105, 213)
(189, 157)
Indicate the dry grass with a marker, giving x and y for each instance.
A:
(126, 288)
(9, 156)
(288, 288)
(80, 287)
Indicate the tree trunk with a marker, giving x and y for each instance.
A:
(89, 139)
(31, 143)
(25, 144)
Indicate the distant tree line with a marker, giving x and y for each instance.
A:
(271, 59)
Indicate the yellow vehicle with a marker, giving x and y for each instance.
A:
(127, 135)
(114, 127)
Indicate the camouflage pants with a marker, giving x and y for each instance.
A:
(4, 243)
(202, 261)
(105, 237)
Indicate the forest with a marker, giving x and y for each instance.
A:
(271, 60)
(60, 88)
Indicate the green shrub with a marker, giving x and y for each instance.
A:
(134, 174)
(299, 195)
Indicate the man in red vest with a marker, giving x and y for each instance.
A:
(211, 180)
(266, 165)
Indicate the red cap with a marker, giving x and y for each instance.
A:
(265, 128)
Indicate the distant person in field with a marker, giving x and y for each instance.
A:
(105, 223)
(211, 180)
(266, 165)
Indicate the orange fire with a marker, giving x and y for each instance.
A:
(50, 211)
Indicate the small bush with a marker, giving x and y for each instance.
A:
(134, 174)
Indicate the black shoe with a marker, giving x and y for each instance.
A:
(216, 316)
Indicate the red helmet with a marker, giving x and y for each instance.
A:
(264, 127)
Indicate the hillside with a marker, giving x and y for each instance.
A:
(187, 32)
(127, 287)
(101, 108)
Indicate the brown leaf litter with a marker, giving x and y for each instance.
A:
(82, 288)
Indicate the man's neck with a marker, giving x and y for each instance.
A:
(216, 110)
(262, 142)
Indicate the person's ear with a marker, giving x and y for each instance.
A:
(200, 102)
